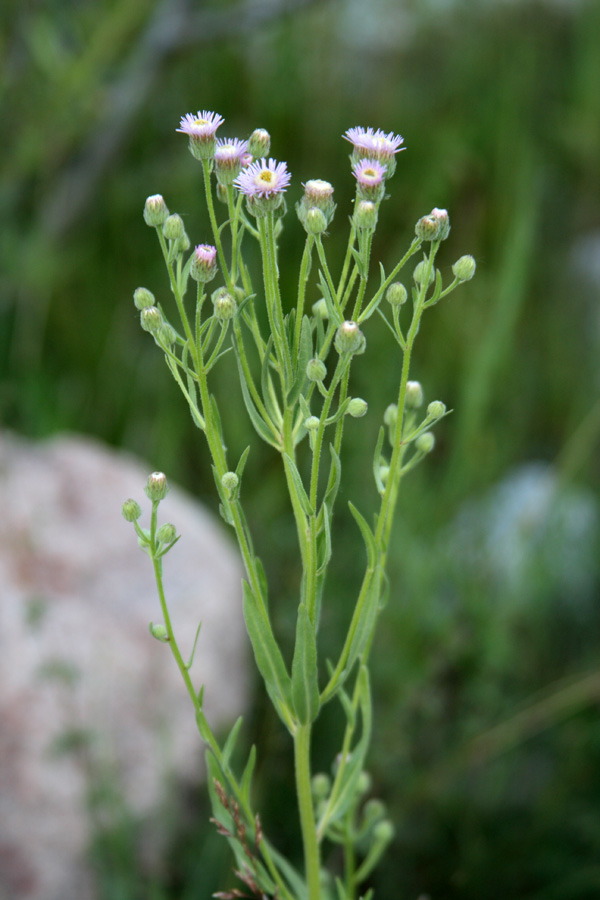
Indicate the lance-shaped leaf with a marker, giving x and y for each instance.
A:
(268, 658)
(305, 684)
(367, 534)
(335, 474)
(332, 307)
(304, 355)
(266, 432)
(294, 475)
(230, 743)
(247, 775)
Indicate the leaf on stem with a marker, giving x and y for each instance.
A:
(305, 685)
(304, 355)
(301, 494)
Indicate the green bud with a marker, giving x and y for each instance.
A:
(131, 510)
(182, 244)
(316, 370)
(396, 294)
(230, 482)
(143, 298)
(320, 785)
(364, 782)
(464, 268)
(374, 810)
(144, 538)
(349, 339)
(320, 309)
(166, 334)
(357, 407)
(155, 211)
(224, 304)
(383, 831)
(151, 319)
(384, 473)
(173, 229)
(436, 409)
(167, 533)
(312, 423)
(420, 272)
(434, 227)
(365, 215)
(390, 416)
(259, 143)
(159, 632)
(414, 394)
(316, 223)
(156, 486)
(424, 443)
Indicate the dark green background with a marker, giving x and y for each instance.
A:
(499, 105)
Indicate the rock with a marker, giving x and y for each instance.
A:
(82, 682)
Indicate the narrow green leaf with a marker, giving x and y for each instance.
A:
(258, 422)
(266, 383)
(334, 313)
(346, 794)
(229, 745)
(304, 355)
(359, 263)
(247, 775)
(294, 474)
(334, 483)
(377, 461)
(367, 534)
(305, 685)
(239, 470)
(323, 541)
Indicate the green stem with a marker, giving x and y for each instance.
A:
(214, 225)
(307, 815)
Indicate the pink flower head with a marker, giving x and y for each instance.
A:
(262, 179)
(201, 129)
(229, 159)
(375, 145)
(204, 263)
(370, 175)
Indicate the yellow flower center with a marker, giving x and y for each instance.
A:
(265, 176)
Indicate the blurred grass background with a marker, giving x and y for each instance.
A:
(486, 674)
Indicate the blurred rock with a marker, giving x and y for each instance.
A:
(84, 688)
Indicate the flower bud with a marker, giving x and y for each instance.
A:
(224, 304)
(436, 409)
(204, 263)
(155, 211)
(173, 229)
(182, 244)
(357, 407)
(373, 810)
(143, 298)
(320, 785)
(166, 334)
(320, 309)
(425, 442)
(131, 510)
(396, 294)
(230, 482)
(316, 223)
(316, 370)
(151, 319)
(420, 272)
(464, 268)
(156, 486)
(318, 194)
(259, 143)
(364, 782)
(159, 632)
(167, 533)
(390, 416)
(383, 831)
(434, 227)
(365, 215)
(414, 394)
(349, 339)
(312, 423)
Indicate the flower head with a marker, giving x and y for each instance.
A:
(264, 184)
(204, 263)
(230, 157)
(201, 129)
(318, 194)
(370, 175)
(375, 145)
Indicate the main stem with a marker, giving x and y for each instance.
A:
(307, 814)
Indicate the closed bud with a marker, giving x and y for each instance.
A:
(173, 228)
(357, 407)
(143, 298)
(312, 423)
(167, 533)
(425, 442)
(374, 810)
(436, 409)
(259, 143)
(166, 334)
(131, 510)
(383, 831)
(396, 294)
(320, 309)
(151, 319)
(316, 370)
(390, 416)
(316, 223)
(182, 244)
(434, 227)
(204, 263)
(414, 394)
(320, 785)
(420, 272)
(365, 215)
(464, 268)
(349, 339)
(364, 782)
(156, 486)
(159, 632)
(230, 482)
(155, 211)
(224, 304)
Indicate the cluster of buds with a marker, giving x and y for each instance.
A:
(434, 227)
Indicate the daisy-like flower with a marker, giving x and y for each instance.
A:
(263, 182)
(370, 177)
(201, 129)
(204, 263)
(230, 155)
(377, 145)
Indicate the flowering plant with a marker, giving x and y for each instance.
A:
(295, 383)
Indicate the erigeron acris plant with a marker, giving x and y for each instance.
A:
(295, 382)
